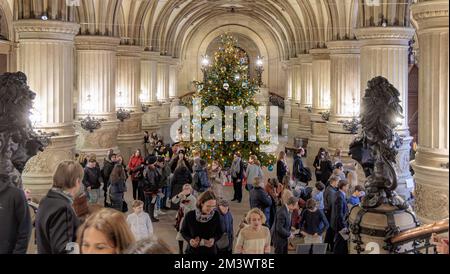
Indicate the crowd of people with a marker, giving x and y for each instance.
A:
(75, 217)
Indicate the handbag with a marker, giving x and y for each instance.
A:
(124, 207)
(223, 242)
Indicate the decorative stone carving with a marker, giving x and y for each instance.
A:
(431, 202)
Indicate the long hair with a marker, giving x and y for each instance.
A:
(320, 152)
(117, 174)
(281, 155)
(204, 197)
(113, 225)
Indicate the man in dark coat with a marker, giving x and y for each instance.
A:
(259, 198)
(108, 166)
(56, 221)
(328, 201)
(339, 219)
(281, 229)
(15, 227)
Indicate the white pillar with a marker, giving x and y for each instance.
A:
(304, 131)
(173, 80)
(320, 102)
(345, 98)
(45, 55)
(149, 87)
(149, 80)
(96, 78)
(127, 97)
(384, 52)
(163, 81)
(431, 163)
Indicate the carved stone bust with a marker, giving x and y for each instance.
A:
(18, 141)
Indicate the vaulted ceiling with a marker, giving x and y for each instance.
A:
(165, 25)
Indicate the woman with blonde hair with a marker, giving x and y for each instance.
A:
(105, 232)
(216, 178)
(282, 167)
(253, 171)
(254, 238)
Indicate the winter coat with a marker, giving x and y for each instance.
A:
(181, 176)
(259, 199)
(174, 162)
(327, 169)
(328, 199)
(226, 223)
(106, 172)
(133, 164)
(56, 223)
(339, 212)
(200, 179)
(281, 170)
(15, 227)
(92, 177)
(252, 172)
(152, 180)
(117, 190)
(313, 222)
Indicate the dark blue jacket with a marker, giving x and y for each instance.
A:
(200, 180)
(339, 212)
(117, 190)
(281, 228)
(15, 221)
(226, 223)
(313, 222)
(259, 198)
(297, 167)
(281, 170)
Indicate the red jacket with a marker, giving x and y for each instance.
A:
(134, 163)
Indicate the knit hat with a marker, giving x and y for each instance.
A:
(151, 160)
(224, 203)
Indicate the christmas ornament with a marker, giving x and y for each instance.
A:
(270, 168)
(226, 86)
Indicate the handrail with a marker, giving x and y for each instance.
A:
(421, 232)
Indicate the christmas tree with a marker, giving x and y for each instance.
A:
(227, 83)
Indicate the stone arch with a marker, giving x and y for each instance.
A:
(6, 19)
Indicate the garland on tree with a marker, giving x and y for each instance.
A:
(227, 83)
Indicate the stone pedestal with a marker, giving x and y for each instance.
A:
(45, 55)
(431, 163)
(150, 119)
(318, 139)
(131, 135)
(99, 141)
(384, 52)
(368, 228)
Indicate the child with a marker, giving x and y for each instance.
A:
(317, 195)
(357, 195)
(187, 203)
(313, 223)
(225, 244)
(140, 222)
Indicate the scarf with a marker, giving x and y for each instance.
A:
(201, 218)
(63, 193)
(235, 167)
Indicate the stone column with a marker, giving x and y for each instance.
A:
(287, 66)
(149, 87)
(295, 103)
(384, 52)
(45, 55)
(345, 95)
(320, 103)
(96, 82)
(304, 128)
(431, 163)
(127, 97)
(173, 80)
